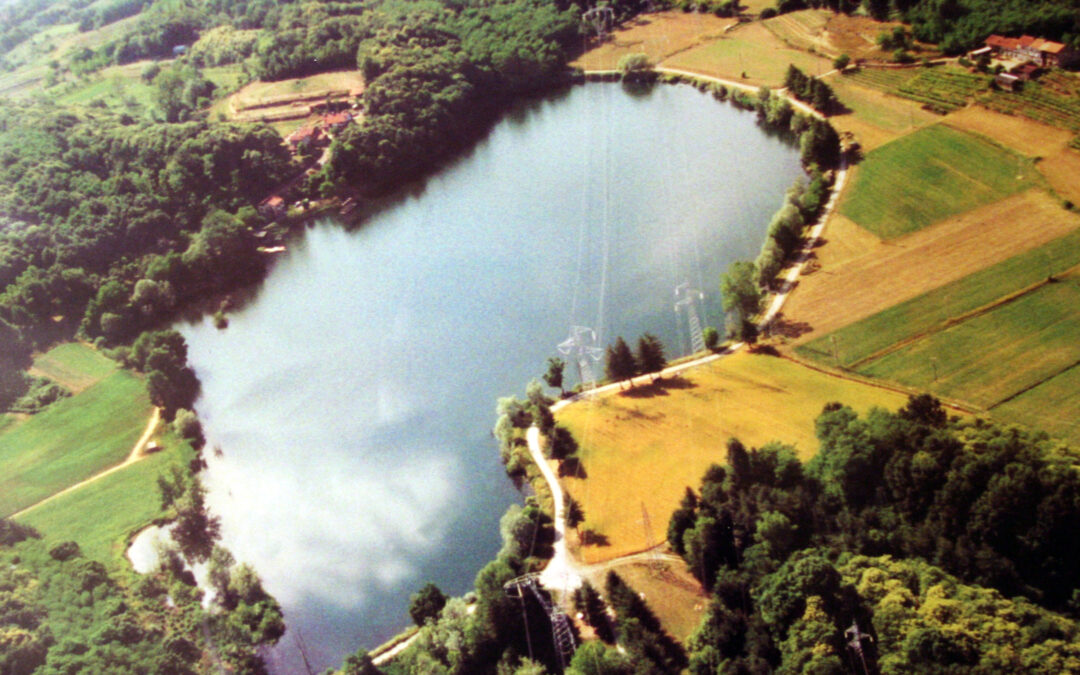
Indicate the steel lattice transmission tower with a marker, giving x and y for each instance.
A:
(581, 346)
(561, 633)
(689, 298)
(600, 19)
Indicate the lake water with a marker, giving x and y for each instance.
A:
(353, 397)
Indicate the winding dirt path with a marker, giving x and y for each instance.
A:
(137, 453)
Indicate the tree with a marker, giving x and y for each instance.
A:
(650, 356)
(712, 337)
(619, 362)
(425, 604)
(841, 62)
(554, 375)
(741, 299)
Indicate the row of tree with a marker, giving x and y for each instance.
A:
(620, 363)
(773, 539)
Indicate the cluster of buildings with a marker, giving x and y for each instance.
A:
(1025, 55)
(318, 133)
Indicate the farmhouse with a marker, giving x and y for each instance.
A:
(304, 136)
(1045, 53)
(337, 121)
(272, 207)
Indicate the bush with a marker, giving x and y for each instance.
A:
(767, 13)
(712, 337)
(841, 62)
(65, 550)
(186, 424)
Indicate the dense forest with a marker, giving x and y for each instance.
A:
(945, 541)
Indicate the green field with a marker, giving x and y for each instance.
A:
(997, 354)
(643, 448)
(932, 310)
(929, 175)
(888, 113)
(883, 79)
(102, 515)
(74, 365)
(71, 440)
(943, 89)
(1052, 406)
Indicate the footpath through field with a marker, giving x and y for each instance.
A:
(135, 455)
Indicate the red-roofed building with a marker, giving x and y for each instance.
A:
(337, 121)
(272, 207)
(304, 136)
(1044, 53)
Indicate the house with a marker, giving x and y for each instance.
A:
(337, 121)
(1045, 53)
(272, 207)
(304, 137)
(1007, 82)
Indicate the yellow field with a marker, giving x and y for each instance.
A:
(875, 118)
(656, 35)
(750, 49)
(802, 30)
(1062, 171)
(1027, 137)
(849, 288)
(640, 450)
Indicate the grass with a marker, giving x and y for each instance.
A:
(891, 114)
(751, 50)
(71, 440)
(801, 29)
(657, 35)
(670, 591)
(642, 451)
(933, 309)
(102, 515)
(1052, 406)
(929, 175)
(993, 356)
(74, 365)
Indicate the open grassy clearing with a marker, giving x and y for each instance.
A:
(993, 356)
(643, 449)
(933, 310)
(6, 421)
(751, 49)
(840, 293)
(1062, 172)
(290, 98)
(802, 30)
(875, 118)
(1052, 406)
(74, 365)
(103, 515)
(71, 440)
(32, 57)
(672, 593)
(656, 35)
(930, 175)
(1026, 136)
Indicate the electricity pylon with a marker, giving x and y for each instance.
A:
(581, 346)
(689, 298)
(561, 632)
(600, 19)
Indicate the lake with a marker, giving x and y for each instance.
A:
(352, 398)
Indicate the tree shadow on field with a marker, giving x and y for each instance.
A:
(573, 468)
(784, 327)
(658, 387)
(593, 538)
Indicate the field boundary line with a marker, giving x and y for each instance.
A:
(844, 374)
(135, 455)
(1033, 386)
(947, 324)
